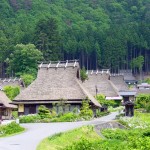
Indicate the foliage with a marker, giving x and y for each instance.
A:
(85, 111)
(100, 33)
(10, 129)
(147, 80)
(62, 140)
(138, 62)
(33, 118)
(119, 109)
(138, 121)
(24, 59)
(100, 114)
(44, 112)
(11, 91)
(136, 138)
(101, 99)
(143, 101)
(47, 38)
(27, 79)
(83, 74)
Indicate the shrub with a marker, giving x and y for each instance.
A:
(101, 99)
(68, 117)
(10, 129)
(44, 112)
(27, 79)
(29, 118)
(143, 101)
(85, 111)
(11, 91)
(83, 144)
(83, 74)
(100, 114)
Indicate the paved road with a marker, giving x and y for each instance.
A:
(38, 131)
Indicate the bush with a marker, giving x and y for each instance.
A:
(68, 117)
(10, 129)
(44, 112)
(100, 114)
(83, 74)
(27, 79)
(83, 144)
(30, 118)
(85, 111)
(11, 91)
(143, 101)
(101, 99)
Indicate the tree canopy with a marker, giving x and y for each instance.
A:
(100, 33)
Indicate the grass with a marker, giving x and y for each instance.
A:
(85, 138)
(61, 140)
(10, 129)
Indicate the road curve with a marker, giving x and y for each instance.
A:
(38, 131)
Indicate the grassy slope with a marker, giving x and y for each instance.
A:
(62, 140)
(116, 139)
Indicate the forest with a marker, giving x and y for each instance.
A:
(112, 34)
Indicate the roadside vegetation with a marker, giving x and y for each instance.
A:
(135, 136)
(10, 129)
(46, 115)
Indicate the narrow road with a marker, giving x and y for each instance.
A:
(38, 131)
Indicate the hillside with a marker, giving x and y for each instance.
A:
(101, 33)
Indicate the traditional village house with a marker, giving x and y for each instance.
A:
(98, 83)
(55, 82)
(5, 107)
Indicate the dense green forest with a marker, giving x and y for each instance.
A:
(100, 33)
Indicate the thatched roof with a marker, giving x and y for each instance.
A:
(143, 91)
(55, 82)
(5, 101)
(128, 76)
(118, 82)
(101, 84)
(11, 82)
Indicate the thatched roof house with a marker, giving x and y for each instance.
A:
(5, 106)
(98, 83)
(55, 81)
(118, 81)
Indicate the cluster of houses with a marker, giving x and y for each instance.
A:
(60, 81)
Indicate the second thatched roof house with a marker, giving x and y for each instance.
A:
(56, 82)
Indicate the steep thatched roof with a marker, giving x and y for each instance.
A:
(99, 82)
(5, 101)
(55, 81)
(118, 82)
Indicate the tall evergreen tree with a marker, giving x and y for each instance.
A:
(47, 39)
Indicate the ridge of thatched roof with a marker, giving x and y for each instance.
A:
(11, 82)
(54, 84)
(59, 64)
(99, 84)
(5, 100)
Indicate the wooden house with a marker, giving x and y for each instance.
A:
(55, 82)
(5, 107)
